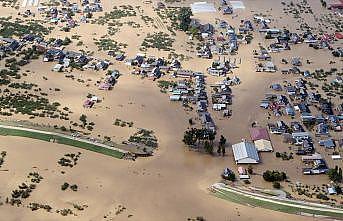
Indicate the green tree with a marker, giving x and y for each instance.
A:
(231, 177)
(194, 31)
(219, 150)
(335, 174)
(211, 136)
(208, 147)
(83, 119)
(184, 18)
(190, 121)
(189, 137)
(66, 41)
(250, 169)
(223, 151)
(276, 185)
(222, 143)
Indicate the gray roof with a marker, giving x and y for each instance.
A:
(245, 152)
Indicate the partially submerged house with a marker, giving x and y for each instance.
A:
(267, 67)
(263, 145)
(258, 133)
(328, 143)
(318, 167)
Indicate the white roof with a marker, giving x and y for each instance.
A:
(270, 64)
(263, 145)
(315, 156)
(336, 157)
(244, 176)
(245, 152)
(301, 134)
(237, 4)
(201, 7)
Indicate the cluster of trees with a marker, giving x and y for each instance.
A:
(284, 155)
(31, 104)
(272, 176)
(19, 28)
(335, 174)
(159, 40)
(204, 138)
(195, 136)
(323, 3)
(184, 18)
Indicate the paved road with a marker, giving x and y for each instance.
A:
(220, 187)
(65, 136)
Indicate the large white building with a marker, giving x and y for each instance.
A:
(245, 152)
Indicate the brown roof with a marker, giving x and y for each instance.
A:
(258, 133)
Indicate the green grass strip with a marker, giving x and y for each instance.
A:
(61, 140)
(245, 200)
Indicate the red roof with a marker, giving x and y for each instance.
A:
(339, 35)
(258, 133)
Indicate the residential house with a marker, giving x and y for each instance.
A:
(328, 143)
(258, 133)
(263, 145)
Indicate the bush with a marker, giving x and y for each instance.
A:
(247, 182)
(276, 185)
(335, 174)
(64, 186)
(73, 187)
(250, 169)
(338, 189)
(66, 41)
(322, 196)
(230, 177)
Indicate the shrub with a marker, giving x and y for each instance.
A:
(335, 174)
(250, 169)
(247, 182)
(73, 187)
(322, 196)
(276, 185)
(64, 186)
(230, 177)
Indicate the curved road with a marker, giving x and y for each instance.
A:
(220, 187)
